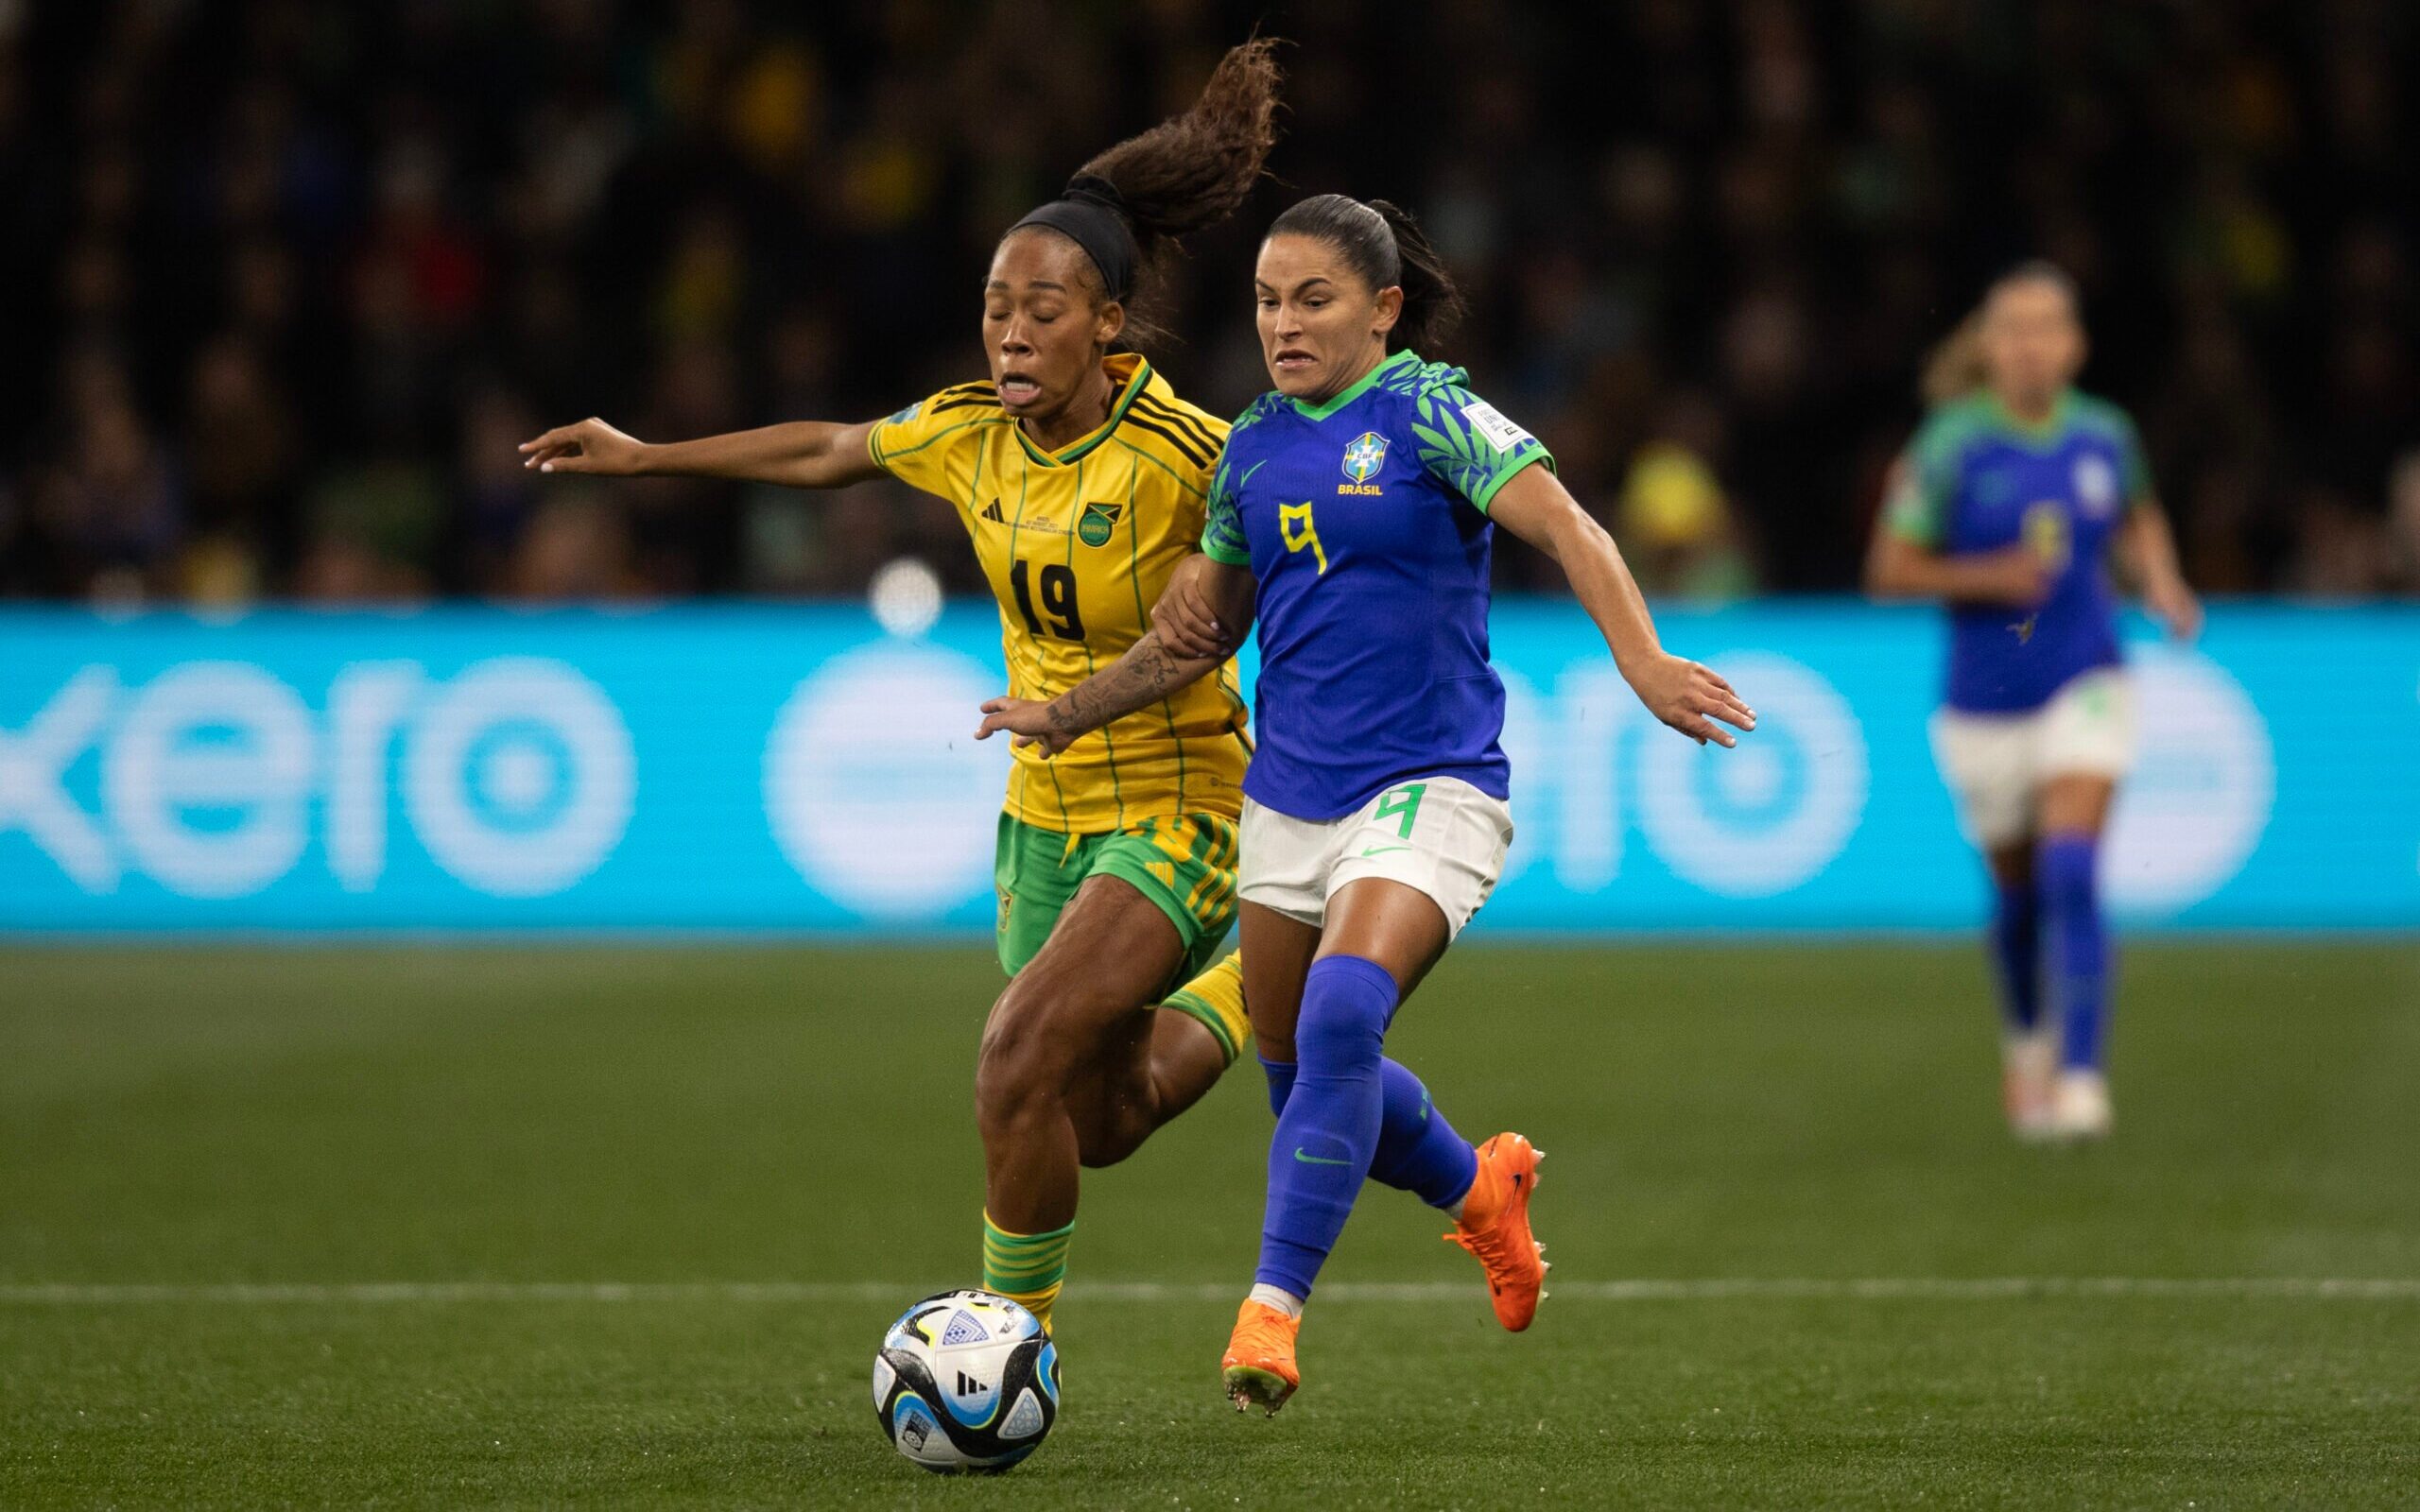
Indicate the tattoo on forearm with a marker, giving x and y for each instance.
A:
(1143, 676)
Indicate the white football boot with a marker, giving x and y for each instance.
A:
(2080, 1107)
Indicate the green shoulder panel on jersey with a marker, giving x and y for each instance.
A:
(1949, 428)
(1222, 529)
(2092, 412)
(1927, 484)
(1222, 526)
(1462, 441)
(1258, 410)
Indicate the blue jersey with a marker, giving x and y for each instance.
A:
(1365, 521)
(1976, 479)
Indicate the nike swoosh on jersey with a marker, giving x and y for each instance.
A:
(1316, 1160)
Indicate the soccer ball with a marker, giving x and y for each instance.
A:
(966, 1381)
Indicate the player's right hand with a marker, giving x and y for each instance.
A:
(1691, 697)
(2015, 576)
(1028, 722)
(590, 446)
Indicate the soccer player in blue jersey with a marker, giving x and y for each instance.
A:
(1353, 515)
(2005, 507)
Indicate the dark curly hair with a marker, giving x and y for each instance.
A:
(1194, 170)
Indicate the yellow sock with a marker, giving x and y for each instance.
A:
(1216, 998)
(1026, 1269)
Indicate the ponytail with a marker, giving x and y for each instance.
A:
(1953, 369)
(1129, 206)
(1432, 305)
(1194, 170)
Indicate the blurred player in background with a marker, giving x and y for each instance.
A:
(1353, 519)
(2004, 508)
(1081, 477)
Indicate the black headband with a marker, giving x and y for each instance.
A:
(1092, 215)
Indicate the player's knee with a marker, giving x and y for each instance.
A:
(1031, 1045)
(1017, 1067)
(1346, 1003)
(1276, 1047)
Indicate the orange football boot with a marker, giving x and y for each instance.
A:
(1260, 1362)
(1494, 1226)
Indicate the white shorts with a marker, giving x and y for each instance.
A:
(1437, 834)
(1996, 764)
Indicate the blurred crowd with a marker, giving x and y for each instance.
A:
(289, 280)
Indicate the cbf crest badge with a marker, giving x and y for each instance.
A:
(1365, 457)
(2096, 486)
(1100, 521)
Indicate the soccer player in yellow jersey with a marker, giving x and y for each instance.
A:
(1081, 477)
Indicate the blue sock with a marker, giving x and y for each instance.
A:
(2065, 867)
(1281, 1075)
(2017, 951)
(1328, 1133)
(1418, 1151)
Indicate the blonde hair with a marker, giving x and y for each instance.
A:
(1955, 368)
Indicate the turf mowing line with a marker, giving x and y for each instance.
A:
(1902, 1288)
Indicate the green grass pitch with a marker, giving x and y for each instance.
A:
(212, 1162)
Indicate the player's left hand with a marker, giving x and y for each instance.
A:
(2173, 605)
(1028, 722)
(1690, 698)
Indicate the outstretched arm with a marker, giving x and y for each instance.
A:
(808, 454)
(1152, 669)
(2147, 547)
(1537, 506)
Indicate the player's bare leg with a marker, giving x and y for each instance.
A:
(1152, 1065)
(1076, 1069)
(1277, 950)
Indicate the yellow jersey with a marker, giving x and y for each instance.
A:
(1078, 545)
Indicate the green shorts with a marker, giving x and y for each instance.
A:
(1185, 863)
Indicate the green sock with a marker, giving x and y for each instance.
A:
(1026, 1269)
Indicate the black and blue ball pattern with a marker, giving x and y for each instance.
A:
(966, 1381)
